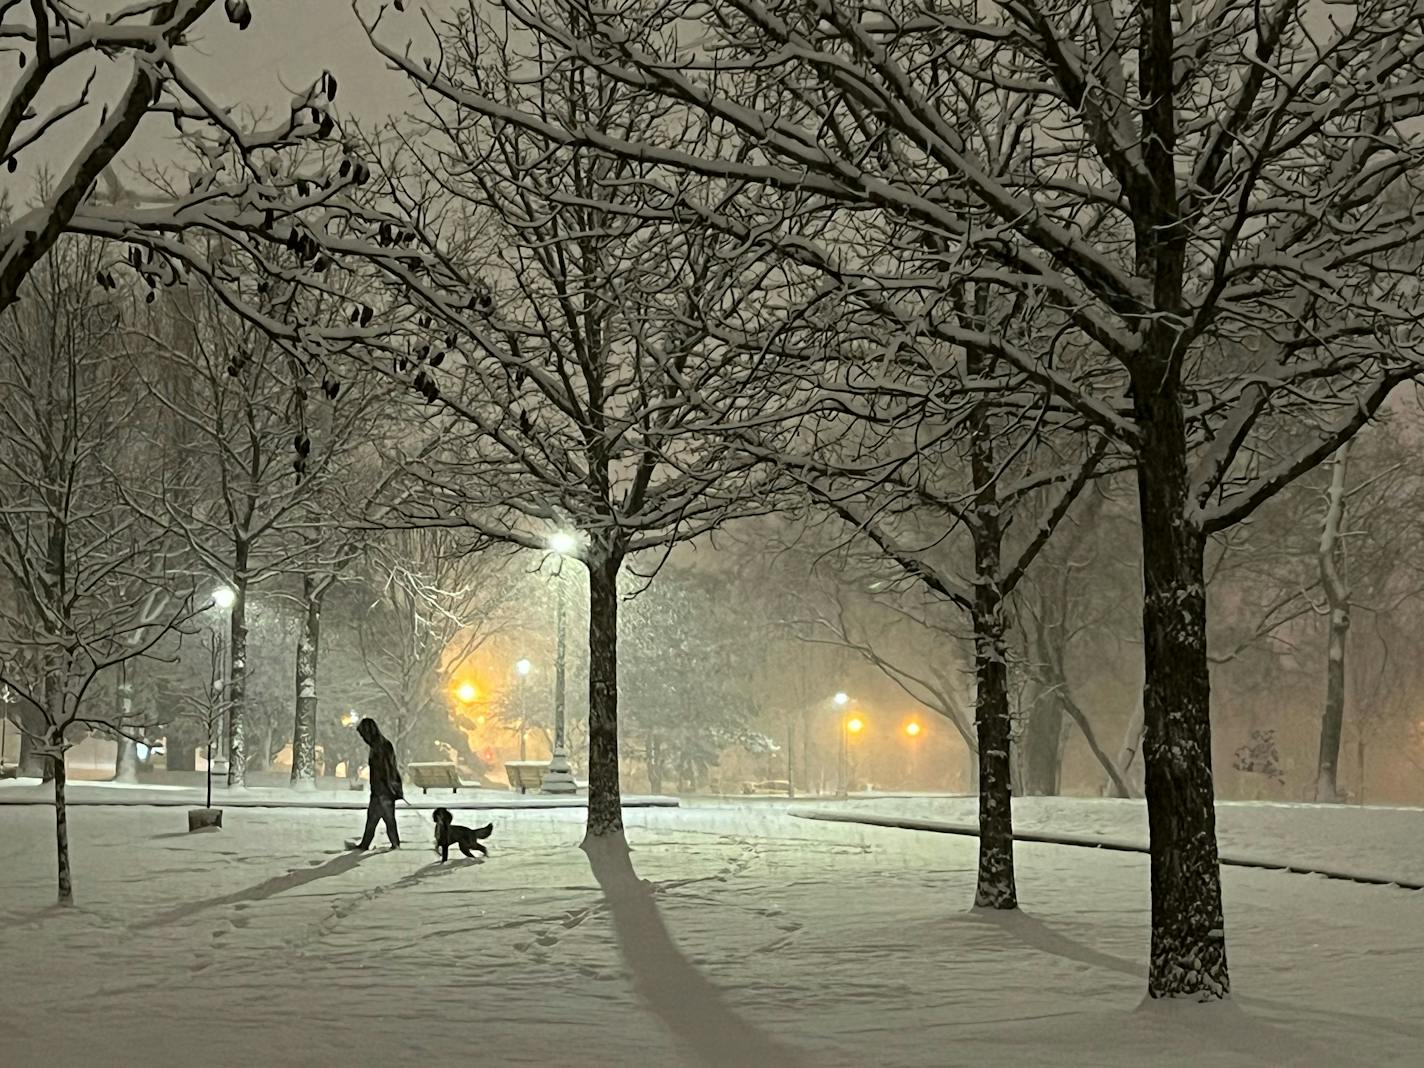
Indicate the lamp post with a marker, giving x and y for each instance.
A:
(840, 700)
(913, 731)
(522, 669)
(224, 597)
(558, 778)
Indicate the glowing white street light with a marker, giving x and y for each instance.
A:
(523, 667)
(224, 597)
(558, 777)
(841, 699)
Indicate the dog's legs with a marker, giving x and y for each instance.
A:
(465, 849)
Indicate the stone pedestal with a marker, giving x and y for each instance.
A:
(558, 779)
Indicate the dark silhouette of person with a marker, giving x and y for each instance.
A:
(386, 788)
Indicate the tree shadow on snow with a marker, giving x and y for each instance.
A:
(280, 884)
(1035, 934)
(682, 997)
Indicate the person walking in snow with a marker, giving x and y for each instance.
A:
(386, 787)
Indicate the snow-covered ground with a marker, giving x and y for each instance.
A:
(766, 940)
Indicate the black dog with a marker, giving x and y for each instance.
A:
(467, 838)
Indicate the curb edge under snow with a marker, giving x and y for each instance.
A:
(910, 823)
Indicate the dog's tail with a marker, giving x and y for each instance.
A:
(485, 831)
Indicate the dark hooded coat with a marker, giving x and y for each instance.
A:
(385, 775)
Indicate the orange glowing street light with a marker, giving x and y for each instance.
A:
(854, 725)
(466, 692)
(912, 728)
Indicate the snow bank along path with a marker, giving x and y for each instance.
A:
(910, 823)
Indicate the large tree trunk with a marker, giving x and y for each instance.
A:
(126, 756)
(605, 804)
(308, 656)
(61, 829)
(180, 743)
(996, 888)
(1042, 746)
(237, 683)
(1188, 933)
(1337, 594)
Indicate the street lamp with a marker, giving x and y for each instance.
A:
(913, 731)
(849, 725)
(522, 669)
(466, 693)
(558, 777)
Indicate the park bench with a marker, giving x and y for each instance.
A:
(435, 775)
(525, 774)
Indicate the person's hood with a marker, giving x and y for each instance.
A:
(368, 731)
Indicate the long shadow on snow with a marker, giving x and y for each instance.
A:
(272, 887)
(1035, 934)
(682, 997)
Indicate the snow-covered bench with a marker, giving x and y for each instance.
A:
(435, 775)
(525, 775)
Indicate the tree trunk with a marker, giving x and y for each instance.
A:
(1042, 746)
(1360, 762)
(236, 694)
(180, 744)
(790, 749)
(805, 752)
(605, 805)
(1188, 932)
(308, 656)
(61, 832)
(126, 757)
(655, 767)
(996, 888)
(1337, 594)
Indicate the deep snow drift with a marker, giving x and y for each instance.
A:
(757, 939)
